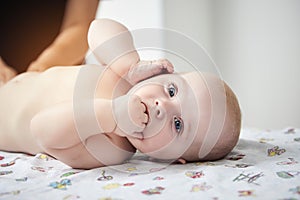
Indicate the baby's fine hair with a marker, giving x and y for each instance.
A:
(229, 134)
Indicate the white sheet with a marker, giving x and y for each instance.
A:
(264, 165)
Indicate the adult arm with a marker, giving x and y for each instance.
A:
(70, 46)
(6, 72)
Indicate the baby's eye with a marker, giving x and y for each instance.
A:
(172, 90)
(177, 124)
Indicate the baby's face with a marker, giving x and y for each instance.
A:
(173, 103)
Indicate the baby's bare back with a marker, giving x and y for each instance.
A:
(24, 96)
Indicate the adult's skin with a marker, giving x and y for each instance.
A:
(70, 45)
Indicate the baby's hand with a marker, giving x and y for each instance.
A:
(130, 115)
(146, 69)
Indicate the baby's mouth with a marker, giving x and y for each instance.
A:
(147, 113)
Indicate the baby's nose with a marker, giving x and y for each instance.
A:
(159, 109)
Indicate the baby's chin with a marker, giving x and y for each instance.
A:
(159, 153)
(162, 156)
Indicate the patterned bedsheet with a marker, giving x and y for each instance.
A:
(264, 165)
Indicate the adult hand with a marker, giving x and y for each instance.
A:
(146, 69)
(36, 67)
(6, 72)
(130, 116)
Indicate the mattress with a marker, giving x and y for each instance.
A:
(264, 165)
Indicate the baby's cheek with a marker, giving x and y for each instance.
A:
(159, 141)
(164, 139)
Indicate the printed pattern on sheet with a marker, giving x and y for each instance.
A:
(264, 165)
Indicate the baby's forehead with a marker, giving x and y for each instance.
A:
(195, 101)
(198, 110)
(195, 76)
(196, 86)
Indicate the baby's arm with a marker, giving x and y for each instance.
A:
(112, 44)
(61, 126)
(74, 137)
(65, 125)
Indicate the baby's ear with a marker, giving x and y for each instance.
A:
(180, 161)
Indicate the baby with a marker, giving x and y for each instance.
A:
(90, 116)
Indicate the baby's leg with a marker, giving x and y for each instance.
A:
(112, 45)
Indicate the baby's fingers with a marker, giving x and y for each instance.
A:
(144, 116)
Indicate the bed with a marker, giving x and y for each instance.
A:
(264, 165)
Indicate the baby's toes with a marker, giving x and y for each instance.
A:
(138, 135)
(156, 67)
(166, 65)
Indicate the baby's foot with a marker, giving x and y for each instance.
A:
(146, 69)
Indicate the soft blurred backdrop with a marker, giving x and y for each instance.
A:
(255, 44)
